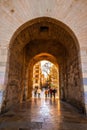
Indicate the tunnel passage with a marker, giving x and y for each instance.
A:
(51, 39)
(33, 61)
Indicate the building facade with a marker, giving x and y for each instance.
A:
(37, 75)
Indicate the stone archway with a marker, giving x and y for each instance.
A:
(29, 74)
(50, 36)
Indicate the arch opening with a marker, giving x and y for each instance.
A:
(36, 40)
(45, 80)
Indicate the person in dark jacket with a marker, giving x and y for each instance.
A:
(54, 92)
(50, 91)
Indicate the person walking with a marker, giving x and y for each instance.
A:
(39, 92)
(46, 92)
(54, 92)
(35, 92)
(50, 91)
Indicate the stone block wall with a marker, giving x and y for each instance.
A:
(84, 72)
(71, 83)
(13, 88)
(3, 61)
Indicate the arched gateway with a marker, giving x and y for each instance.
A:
(38, 39)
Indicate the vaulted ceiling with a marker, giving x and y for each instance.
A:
(14, 13)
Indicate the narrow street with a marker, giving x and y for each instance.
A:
(43, 114)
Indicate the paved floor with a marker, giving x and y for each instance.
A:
(43, 114)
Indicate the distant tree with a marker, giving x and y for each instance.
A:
(46, 69)
(51, 73)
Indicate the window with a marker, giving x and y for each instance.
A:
(36, 81)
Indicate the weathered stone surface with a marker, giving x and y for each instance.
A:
(43, 114)
(59, 41)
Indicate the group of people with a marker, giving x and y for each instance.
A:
(49, 92)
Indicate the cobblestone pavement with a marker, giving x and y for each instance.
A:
(43, 114)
